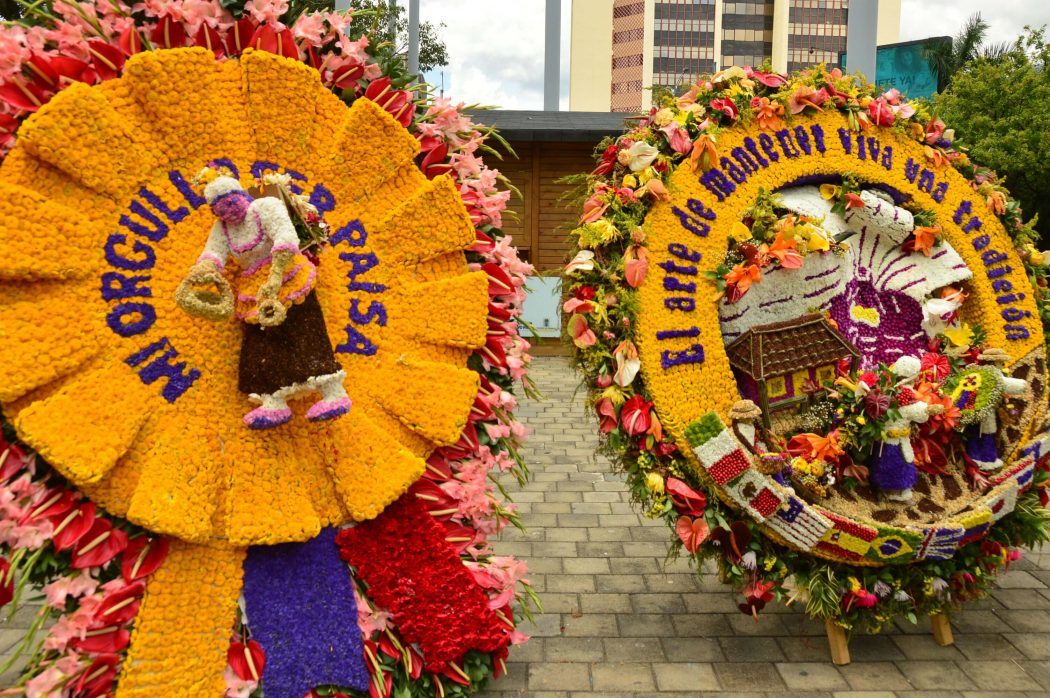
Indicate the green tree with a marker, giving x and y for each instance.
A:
(948, 58)
(372, 17)
(999, 109)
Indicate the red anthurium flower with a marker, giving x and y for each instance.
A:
(482, 243)
(433, 161)
(54, 504)
(493, 351)
(732, 541)
(467, 444)
(607, 418)
(12, 458)
(767, 79)
(692, 532)
(267, 38)
(499, 662)
(210, 39)
(685, 499)
(756, 596)
(247, 660)
(105, 640)
(398, 103)
(98, 679)
(142, 557)
(169, 33)
(239, 36)
(881, 113)
(380, 685)
(413, 663)
(454, 672)
(440, 505)
(70, 526)
(727, 107)
(130, 41)
(438, 468)
(99, 545)
(41, 72)
(634, 415)
(499, 280)
(121, 605)
(459, 537)
(386, 646)
(7, 582)
(23, 96)
(107, 59)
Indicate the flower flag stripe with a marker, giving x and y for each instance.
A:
(178, 648)
(412, 572)
(298, 597)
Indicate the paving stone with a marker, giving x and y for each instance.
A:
(623, 677)
(685, 677)
(573, 649)
(749, 677)
(626, 649)
(999, 676)
(937, 675)
(558, 676)
(809, 676)
(871, 676)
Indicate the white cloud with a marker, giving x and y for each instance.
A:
(1006, 18)
(496, 48)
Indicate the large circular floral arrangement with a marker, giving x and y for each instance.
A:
(813, 334)
(180, 552)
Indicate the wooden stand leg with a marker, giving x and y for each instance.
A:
(837, 642)
(942, 629)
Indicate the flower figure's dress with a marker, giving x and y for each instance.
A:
(297, 350)
(893, 469)
(979, 438)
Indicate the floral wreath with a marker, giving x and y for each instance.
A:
(813, 333)
(173, 550)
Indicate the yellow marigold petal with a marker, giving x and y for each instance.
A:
(408, 384)
(372, 476)
(433, 311)
(34, 353)
(369, 150)
(431, 223)
(177, 489)
(279, 92)
(104, 158)
(182, 631)
(22, 169)
(87, 400)
(29, 255)
(260, 479)
(192, 113)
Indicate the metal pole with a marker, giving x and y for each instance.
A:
(413, 37)
(861, 37)
(341, 5)
(552, 56)
(391, 21)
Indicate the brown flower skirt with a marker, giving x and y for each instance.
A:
(293, 352)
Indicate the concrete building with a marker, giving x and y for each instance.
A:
(620, 48)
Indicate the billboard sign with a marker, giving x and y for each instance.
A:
(905, 67)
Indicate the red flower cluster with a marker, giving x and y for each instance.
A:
(414, 573)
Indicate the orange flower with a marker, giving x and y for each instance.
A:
(704, 153)
(739, 280)
(925, 238)
(936, 156)
(786, 252)
(768, 113)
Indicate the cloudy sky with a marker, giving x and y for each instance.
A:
(496, 48)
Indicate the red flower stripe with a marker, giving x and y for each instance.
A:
(413, 573)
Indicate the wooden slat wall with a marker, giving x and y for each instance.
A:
(544, 220)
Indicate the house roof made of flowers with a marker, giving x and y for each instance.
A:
(780, 348)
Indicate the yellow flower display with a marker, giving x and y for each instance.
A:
(135, 401)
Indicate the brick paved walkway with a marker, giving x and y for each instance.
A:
(618, 624)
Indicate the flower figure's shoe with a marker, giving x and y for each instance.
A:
(328, 409)
(267, 417)
(899, 496)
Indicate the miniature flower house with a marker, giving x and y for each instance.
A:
(776, 363)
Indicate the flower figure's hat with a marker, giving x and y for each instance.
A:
(221, 186)
(744, 409)
(906, 367)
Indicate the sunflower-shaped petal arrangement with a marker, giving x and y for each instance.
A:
(106, 223)
(92, 335)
